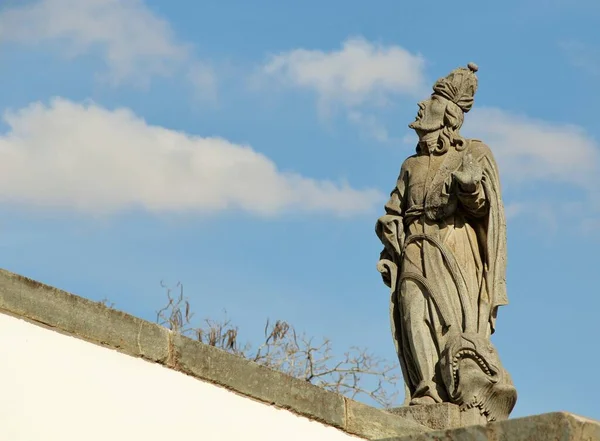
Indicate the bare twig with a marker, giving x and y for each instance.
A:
(357, 373)
(106, 302)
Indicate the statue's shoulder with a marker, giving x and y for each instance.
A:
(478, 148)
(408, 164)
(409, 161)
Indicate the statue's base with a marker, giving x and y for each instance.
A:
(549, 426)
(440, 416)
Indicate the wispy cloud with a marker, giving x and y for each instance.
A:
(94, 160)
(369, 125)
(513, 210)
(582, 56)
(358, 75)
(544, 158)
(204, 79)
(134, 43)
(530, 149)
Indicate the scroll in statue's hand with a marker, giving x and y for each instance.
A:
(470, 174)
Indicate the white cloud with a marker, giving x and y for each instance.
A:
(134, 43)
(529, 149)
(360, 72)
(93, 160)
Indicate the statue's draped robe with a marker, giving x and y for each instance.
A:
(444, 259)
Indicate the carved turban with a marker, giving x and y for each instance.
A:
(459, 86)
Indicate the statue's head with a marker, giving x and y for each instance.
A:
(440, 117)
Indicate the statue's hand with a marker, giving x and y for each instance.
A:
(470, 174)
(388, 270)
(389, 230)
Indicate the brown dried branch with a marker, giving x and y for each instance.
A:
(106, 302)
(356, 374)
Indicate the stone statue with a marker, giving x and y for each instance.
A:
(444, 259)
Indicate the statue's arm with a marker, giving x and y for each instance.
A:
(390, 226)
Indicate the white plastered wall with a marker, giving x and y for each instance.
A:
(59, 388)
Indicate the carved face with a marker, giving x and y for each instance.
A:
(430, 117)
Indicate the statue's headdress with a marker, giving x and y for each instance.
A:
(459, 86)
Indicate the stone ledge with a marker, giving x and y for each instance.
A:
(375, 424)
(549, 426)
(440, 416)
(96, 323)
(82, 318)
(254, 380)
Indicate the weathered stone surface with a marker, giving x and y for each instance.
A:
(547, 427)
(444, 259)
(371, 423)
(440, 416)
(83, 318)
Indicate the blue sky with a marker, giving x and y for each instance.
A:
(246, 149)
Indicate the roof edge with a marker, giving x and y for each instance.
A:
(96, 323)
